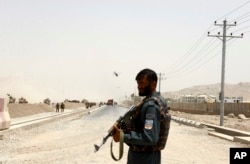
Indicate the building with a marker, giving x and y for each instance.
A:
(188, 98)
(206, 98)
(233, 99)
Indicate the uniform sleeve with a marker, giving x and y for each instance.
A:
(149, 135)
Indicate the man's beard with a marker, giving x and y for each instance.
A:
(146, 91)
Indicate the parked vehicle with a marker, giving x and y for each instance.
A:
(110, 102)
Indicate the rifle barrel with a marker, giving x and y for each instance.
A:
(103, 142)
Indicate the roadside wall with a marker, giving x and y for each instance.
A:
(4, 114)
(22, 110)
(211, 108)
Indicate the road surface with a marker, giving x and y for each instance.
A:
(72, 142)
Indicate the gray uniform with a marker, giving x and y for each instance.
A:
(147, 126)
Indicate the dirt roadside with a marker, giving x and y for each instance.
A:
(235, 123)
(23, 110)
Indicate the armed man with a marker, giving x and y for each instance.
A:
(147, 132)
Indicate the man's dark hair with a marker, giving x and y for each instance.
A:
(150, 74)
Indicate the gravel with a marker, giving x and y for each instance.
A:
(72, 141)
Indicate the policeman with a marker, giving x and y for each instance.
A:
(143, 139)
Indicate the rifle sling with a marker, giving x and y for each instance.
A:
(120, 147)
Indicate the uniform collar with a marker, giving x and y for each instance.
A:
(151, 95)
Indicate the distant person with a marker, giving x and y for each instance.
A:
(57, 107)
(62, 107)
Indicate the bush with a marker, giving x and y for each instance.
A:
(46, 101)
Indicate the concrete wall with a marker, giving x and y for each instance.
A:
(212, 108)
(4, 114)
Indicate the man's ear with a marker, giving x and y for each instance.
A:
(153, 85)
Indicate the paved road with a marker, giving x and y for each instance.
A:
(72, 142)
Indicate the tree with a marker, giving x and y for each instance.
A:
(46, 101)
(11, 99)
(22, 101)
(84, 101)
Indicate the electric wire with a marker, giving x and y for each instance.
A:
(189, 63)
(241, 29)
(196, 57)
(234, 10)
(202, 64)
(195, 67)
(241, 17)
(180, 60)
(244, 22)
(187, 54)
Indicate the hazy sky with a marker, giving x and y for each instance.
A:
(70, 48)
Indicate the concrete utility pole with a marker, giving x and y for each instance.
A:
(160, 78)
(224, 40)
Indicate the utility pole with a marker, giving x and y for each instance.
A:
(160, 78)
(224, 40)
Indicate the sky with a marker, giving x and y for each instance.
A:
(69, 49)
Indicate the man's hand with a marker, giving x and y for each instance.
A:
(116, 134)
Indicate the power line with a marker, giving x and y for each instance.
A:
(195, 60)
(234, 10)
(246, 32)
(197, 56)
(176, 65)
(199, 41)
(241, 17)
(201, 64)
(193, 68)
(241, 29)
(198, 64)
(187, 54)
(243, 22)
(204, 63)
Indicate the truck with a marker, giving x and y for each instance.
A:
(110, 102)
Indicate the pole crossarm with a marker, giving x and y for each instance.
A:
(229, 36)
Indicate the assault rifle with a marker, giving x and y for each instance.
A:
(119, 123)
